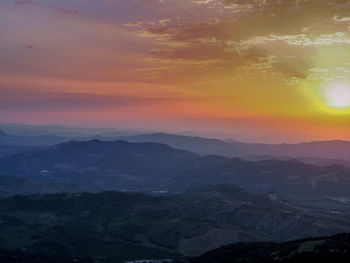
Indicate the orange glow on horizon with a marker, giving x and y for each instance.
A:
(269, 67)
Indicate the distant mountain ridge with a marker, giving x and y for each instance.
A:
(42, 140)
(334, 149)
(317, 152)
(122, 165)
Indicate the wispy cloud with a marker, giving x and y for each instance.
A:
(23, 2)
(74, 101)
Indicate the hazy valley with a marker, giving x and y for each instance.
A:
(120, 200)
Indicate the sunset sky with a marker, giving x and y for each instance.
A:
(263, 70)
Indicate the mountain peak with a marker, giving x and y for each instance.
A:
(113, 146)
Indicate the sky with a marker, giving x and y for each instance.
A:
(259, 70)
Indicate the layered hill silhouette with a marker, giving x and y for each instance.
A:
(109, 165)
(121, 165)
(41, 140)
(9, 141)
(197, 204)
(317, 152)
(334, 151)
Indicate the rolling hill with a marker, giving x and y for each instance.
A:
(38, 140)
(324, 249)
(335, 151)
(6, 150)
(128, 166)
(124, 226)
(11, 185)
(107, 165)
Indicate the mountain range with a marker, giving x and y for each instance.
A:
(179, 197)
(126, 166)
(32, 141)
(319, 152)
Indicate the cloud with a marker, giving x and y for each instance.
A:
(23, 2)
(255, 31)
(215, 36)
(67, 11)
(161, 22)
(12, 101)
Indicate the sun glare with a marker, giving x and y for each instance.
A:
(338, 95)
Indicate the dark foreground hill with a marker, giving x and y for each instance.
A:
(127, 166)
(125, 226)
(322, 250)
(22, 256)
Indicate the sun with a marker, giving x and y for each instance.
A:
(338, 95)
